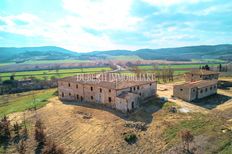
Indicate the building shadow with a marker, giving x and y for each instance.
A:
(225, 85)
(143, 114)
(212, 101)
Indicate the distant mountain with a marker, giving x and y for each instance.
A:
(35, 53)
(223, 52)
(181, 53)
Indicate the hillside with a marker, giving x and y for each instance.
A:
(35, 53)
(18, 55)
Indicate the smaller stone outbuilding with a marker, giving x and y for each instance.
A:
(197, 75)
(195, 90)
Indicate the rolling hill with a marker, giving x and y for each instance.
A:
(223, 52)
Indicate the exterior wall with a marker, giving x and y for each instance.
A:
(190, 94)
(196, 77)
(72, 91)
(207, 91)
(67, 92)
(182, 92)
(127, 104)
(144, 91)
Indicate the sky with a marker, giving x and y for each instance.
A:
(91, 25)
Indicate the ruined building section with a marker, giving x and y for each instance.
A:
(121, 95)
(197, 75)
(195, 90)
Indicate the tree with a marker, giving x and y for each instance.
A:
(40, 136)
(12, 77)
(187, 139)
(220, 67)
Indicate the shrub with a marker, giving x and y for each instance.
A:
(130, 138)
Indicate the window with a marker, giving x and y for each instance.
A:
(77, 96)
(211, 88)
(193, 90)
(201, 91)
(62, 94)
(110, 99)
(150, 84)
(215, 87)
(77, 86)
(200, 76)
(140, 94)
(181, 89)
(138, 87)
(134, 88)
(92, 97)
(109, 90)
(130, 89)
(206, 89)
(91, 88)
(69, 94)
(69, 84)
(100, 90)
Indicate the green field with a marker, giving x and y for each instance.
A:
(49, 73)
(176, 66)
(46, 62)
(22, 101)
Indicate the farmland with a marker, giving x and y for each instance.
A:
(178, 66)
(49, 73)
(20, 102)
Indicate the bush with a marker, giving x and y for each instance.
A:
(130, 138)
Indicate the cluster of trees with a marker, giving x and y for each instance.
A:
(165, 74)
(206, 67)
(17, 135)
(13, 134)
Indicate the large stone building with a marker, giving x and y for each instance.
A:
(197, 75)
(195, 90)
(121, 95)
(199, 84)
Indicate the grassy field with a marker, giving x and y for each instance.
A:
(200, 124)
(46, 62)
(49, 73)
(22, 101)
(177, 66)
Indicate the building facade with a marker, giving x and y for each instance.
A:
(195, 90)
(201, 75)
(121, 95)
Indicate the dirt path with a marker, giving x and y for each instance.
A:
(166, 90)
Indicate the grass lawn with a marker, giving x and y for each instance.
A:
(22, 101)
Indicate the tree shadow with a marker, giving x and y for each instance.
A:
(143, 114)
(39, 148)
(212, 101)
(4, 143)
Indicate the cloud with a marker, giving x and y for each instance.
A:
(103, 14)
(167, 3)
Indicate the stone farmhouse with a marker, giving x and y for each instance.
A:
(197, 75)
(195, 90)
(120, 95)
(199, 84)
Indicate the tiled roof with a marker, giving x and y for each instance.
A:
(113, 84)
(199, 84)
